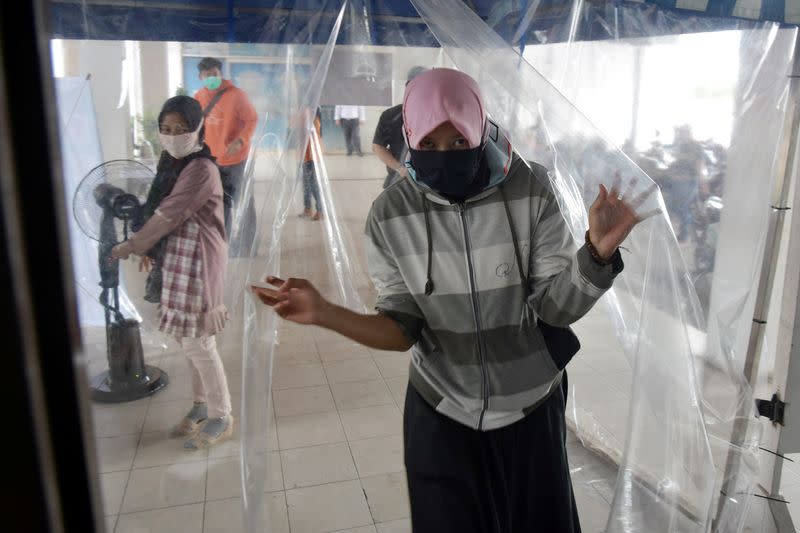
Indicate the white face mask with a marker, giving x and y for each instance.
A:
(179, 146)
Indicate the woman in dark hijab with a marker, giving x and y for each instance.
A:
(182, 231)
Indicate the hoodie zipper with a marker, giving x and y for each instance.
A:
(462, 209)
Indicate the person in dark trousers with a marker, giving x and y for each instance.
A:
(685, 173)
(388, 142)
(350, 118)
(310, 182)
(230, 121)
(476, 271)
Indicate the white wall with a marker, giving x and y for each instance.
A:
(103, 61)
(154, 74)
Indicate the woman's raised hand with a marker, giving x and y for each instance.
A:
(613, 216)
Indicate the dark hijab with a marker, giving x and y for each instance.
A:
(167, 174)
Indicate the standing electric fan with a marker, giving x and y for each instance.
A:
(106, 202)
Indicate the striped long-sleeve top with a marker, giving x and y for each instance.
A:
(479, 356)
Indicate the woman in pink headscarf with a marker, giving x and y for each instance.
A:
(477, 274)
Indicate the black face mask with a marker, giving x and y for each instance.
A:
(455, 174)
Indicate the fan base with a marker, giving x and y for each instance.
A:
(104, 391)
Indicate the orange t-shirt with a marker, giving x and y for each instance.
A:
(309, 154)
(233, 117)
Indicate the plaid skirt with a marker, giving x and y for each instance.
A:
(182, 307)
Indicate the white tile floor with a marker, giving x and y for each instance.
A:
(336, 457)
(337, 464)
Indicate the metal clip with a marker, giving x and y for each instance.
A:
(773, 409)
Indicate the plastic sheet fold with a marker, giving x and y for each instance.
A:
(299, 165)
(688, 394)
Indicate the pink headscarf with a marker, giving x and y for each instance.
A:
(443, 95)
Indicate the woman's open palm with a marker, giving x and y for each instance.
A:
(612, 216)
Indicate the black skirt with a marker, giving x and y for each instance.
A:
(509, 480)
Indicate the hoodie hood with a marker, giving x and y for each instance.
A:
(498, 154)
(443, 95)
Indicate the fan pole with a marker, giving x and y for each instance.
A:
(128, 378)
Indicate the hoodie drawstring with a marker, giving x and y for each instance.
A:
(522, 273)
(429, 281)
(526, 310)
(428, 231)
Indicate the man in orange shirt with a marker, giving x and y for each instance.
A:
(230, 121)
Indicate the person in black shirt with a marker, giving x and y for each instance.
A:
(388, 143)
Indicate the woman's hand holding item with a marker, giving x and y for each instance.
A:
(122, 250)
(296, 300)
(146, 264)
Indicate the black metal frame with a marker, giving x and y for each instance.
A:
(50, 466)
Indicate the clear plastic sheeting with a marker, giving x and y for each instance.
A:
(688, 393)
(82, 151)
(285, 181)
(664, 436)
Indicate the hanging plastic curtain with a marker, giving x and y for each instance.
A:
(82, 152)
(288, 83)
(282, 73)
(106, 297)
(688, 394)
(725, 88)
(289, 237)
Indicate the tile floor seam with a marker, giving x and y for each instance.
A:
(301, 388)
(375, 476)
(117, 471)
(317, 445)
(129, 513)
(116, 521)
(368, 438)
(205, 496)
(383, 378)
(298, 388)
(187, 504)
(264, 493)
(357, 478)
(172, 464)
(272, 399)
(286, 506)
(347, 440)
(133, 462)
(124, 490)
(394, 400)
(319, 352)
(278, 451)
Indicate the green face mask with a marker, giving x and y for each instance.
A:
(212, 83)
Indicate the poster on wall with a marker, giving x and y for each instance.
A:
(267, 85)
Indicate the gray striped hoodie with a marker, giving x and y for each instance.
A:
(479, 356)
